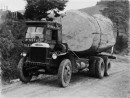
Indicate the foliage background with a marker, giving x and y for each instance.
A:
(118, 12)
(11, 33)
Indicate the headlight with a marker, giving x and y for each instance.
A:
(23, 54)
(54, 56)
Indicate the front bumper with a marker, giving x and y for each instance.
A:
(36, 63)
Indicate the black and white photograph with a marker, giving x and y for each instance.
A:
(64, 49)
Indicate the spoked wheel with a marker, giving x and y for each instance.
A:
(64, 73)
(100, 68)
(24, 75)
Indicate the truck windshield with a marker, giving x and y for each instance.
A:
(35, 32)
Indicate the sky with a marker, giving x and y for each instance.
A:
(15, 5)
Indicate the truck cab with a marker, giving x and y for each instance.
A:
(45, 49)
(43, 38)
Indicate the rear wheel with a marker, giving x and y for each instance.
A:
(92, 62)
(24, 75)
(99, 68)
(64, 73)
(107, 66)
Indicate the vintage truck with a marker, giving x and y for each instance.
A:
(47, 54)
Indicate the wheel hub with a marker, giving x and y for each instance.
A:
(67, 73)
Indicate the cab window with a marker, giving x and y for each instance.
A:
(51, 35)
(33, 32)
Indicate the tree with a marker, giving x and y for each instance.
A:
(118, 12)
(38, 9)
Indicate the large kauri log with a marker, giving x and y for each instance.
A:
(84, 32)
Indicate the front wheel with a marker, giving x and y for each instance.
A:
(24, 75)
(64, 73)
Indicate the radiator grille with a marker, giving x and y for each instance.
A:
(38, 54)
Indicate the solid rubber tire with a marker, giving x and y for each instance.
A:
(99, 67)
(21, 73)
(107, 65)
(61, 72)
(92, 62)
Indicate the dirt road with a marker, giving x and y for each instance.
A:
(117, 85)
